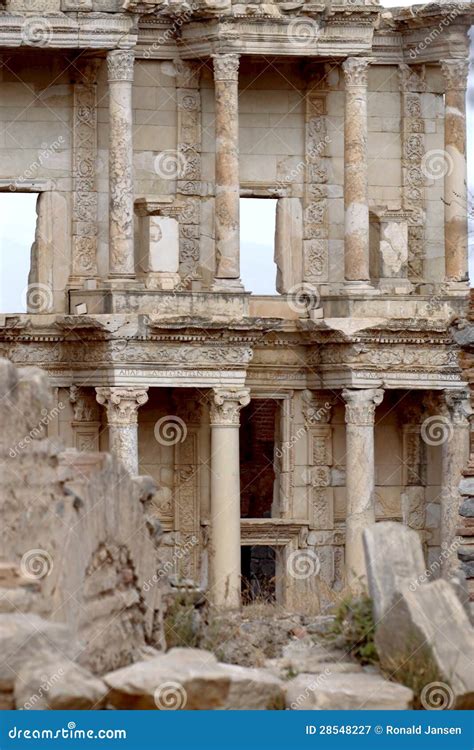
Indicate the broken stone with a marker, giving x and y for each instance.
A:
(430, 628)
(467, 508)
(24, 637)
(58, 684)
(192, 679)
(394, 556)
(308, 692)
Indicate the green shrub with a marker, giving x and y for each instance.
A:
(353, 628)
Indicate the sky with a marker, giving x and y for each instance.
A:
(18, 220)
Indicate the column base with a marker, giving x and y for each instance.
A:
(122, 282)
(228, 285)
(457, 288)
(360, 288)
(395, 286)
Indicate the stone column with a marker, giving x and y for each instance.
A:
(356, 197)
(225, 406)
(360, 477)
(455, 177)
(227, 235)
(122, 417)
(120, 76)
(455, 457)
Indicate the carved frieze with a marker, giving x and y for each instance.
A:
(84, 217)
(189, 168)
(315, 220)
(412, 87)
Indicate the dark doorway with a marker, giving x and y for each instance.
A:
(257, 445)
(258, 573)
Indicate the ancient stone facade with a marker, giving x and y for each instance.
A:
(152, 119)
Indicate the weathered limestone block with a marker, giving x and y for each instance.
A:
(192, 679)
(58, 684)
(159, 256)
(429, 627)
(336, 692)
(394, 556)
(94, 577)
(24, 637)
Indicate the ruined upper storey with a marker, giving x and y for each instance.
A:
(328, 28)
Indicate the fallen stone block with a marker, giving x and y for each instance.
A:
(25, 637)
(192, 679)
(393, 556)
(58, 684)
(427, 630)
(339, 692)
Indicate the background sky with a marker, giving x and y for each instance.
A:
(18, 221)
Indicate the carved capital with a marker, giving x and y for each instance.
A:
(84, 404)
(356, 70)
(226, 403)
(226, 67)
(455, 73)
(360, 405)
(122, 404)
(412, 78)
(120, 65)
(316, 407)
(457, 406)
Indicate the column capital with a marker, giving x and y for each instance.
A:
(226, 67)
(411, 78)
(457, 406)
(84, 405)
(360, 405)
(122, 404)
(226, 403)
(316, 407)
(120, 64)
(455, 73)
(356, 70)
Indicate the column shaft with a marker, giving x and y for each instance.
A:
(356, 199)
(225, 495)
(360, 477)
(455, 178)
(121, 196)
(122, 416)
(455, 457)
(227, 235)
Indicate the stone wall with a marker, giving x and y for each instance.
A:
(78, 529)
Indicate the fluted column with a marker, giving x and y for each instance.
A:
(225, 406)
(454, 436)
(360, 476)
(455, 178)
(227, 229)
(120, 75)
(122, 406)
(356, 193)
